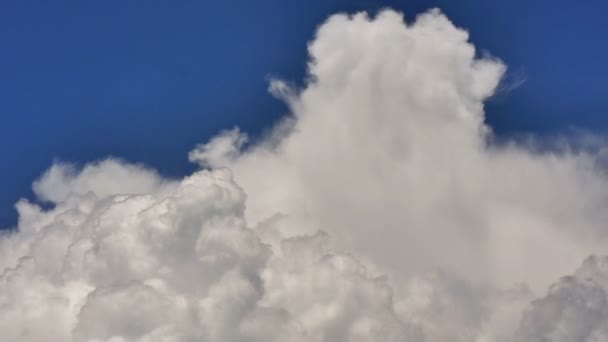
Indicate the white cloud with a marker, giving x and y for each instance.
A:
(220, 150)
(575, 309)
(380, 210)
(180, 265)
(102, 179)
(389, 152)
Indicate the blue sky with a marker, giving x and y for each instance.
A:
(146, 81)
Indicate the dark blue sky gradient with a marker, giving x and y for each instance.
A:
(147, 80)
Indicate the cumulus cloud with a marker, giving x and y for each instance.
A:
(575, 309)
(380, 209)
(180, 265)
(388, 150)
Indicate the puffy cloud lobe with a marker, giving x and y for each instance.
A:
(575, 309)
(105, 178)
(180, 265)
(127, 265)
(220, 150)
(431, 232)
(387, 149)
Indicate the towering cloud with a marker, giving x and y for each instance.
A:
(380, 209)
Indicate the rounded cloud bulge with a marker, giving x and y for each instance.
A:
(379, 209)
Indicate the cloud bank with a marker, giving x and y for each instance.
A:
(380, 209)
